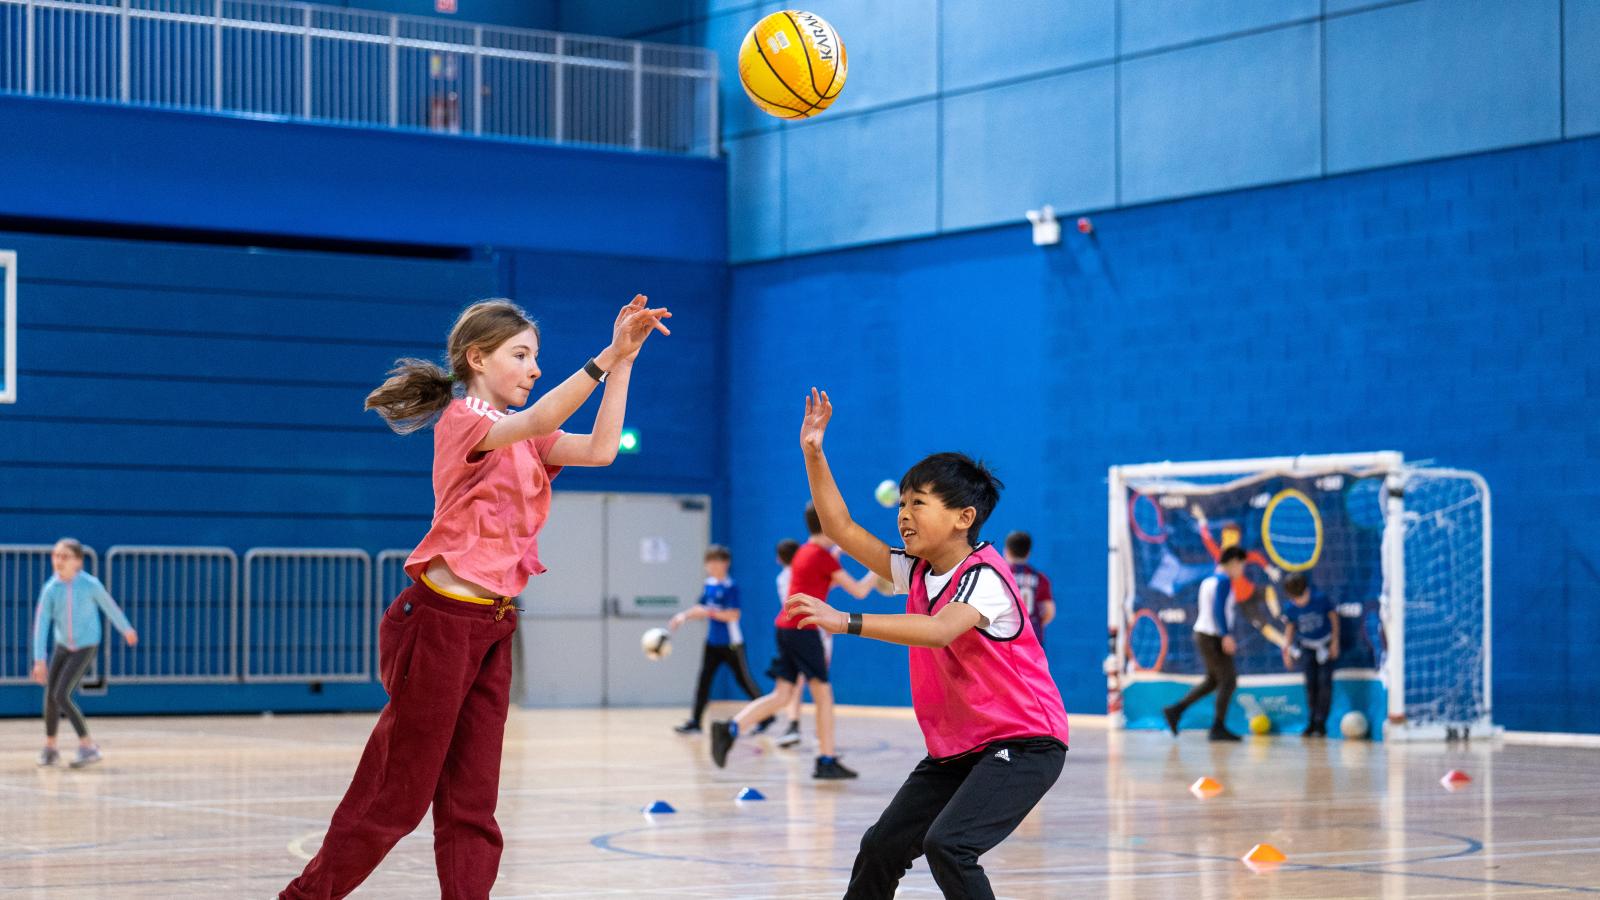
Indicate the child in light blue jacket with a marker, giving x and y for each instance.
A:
(70, 603)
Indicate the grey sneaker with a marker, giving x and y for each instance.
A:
(721, 742)
(87, 756)
(49, 756)
(791, 735)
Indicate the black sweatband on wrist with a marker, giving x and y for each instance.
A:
(855, 623)
(593, 370)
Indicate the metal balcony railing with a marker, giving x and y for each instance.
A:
(299, 61)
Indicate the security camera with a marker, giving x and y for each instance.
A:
(1046, 229)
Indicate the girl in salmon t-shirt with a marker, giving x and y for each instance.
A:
(444, 645)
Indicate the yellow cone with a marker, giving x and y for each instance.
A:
(1206, 788)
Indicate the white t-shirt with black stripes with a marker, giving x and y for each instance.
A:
(981, 588)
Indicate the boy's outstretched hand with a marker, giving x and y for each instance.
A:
(815, 612)
(818, 411)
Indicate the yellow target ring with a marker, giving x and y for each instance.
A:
(1266, 531)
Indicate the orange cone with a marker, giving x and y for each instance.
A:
(1455, 779)
(1206, 788)
(1263, 858)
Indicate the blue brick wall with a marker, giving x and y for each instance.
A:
(1445, 309)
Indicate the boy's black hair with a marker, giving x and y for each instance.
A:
(1295, 585)
(1019, 543)
(959, 481)
(717, 551)
(786, 549)
(1234, 553)
(813, 521)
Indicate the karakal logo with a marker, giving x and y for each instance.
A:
(820, 36)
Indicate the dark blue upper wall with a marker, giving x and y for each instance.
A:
(175, 394)
(542, 14)
(1449, 310)
(90, 162)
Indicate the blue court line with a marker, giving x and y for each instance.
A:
(604, 842)
(1470, 846)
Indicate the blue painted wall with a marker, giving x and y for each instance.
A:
(230, 174)
(1098, 104)
(1445, 309)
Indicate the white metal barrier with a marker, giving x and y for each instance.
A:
(392, 577)
(24, 568)
(308, 615)
(183, 601)
(304, 614)
(301, 61)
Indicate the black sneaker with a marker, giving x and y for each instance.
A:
(1223, 734)
(721, 742)
(689, 727)
(791, 735)
(832, 770)
(763, 725)
(1171, 714)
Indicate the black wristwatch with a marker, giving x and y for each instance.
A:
(855, 623)
(593, 370)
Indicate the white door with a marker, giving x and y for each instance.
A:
(619, 564)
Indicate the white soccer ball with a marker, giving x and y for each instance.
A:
(1353, 725)
(656, 643)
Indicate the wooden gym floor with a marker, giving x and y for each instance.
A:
(232, 807)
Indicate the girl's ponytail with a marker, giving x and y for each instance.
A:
(414, 396)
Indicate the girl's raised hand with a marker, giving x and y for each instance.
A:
(635, 322)
(818, 411)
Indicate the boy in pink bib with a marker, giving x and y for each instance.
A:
(990, 713)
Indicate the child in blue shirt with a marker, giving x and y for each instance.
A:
(1313, 635)
(70, 604)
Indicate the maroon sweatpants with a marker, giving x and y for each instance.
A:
(446, 664)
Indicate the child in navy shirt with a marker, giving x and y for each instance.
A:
(1313, 635)
(719, 606)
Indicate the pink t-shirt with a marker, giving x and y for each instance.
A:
(487, 507)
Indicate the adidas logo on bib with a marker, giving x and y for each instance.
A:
(1005, 754)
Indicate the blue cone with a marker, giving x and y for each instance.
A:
(750, 793)
(660, 806)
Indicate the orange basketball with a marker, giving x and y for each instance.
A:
(792, 64)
